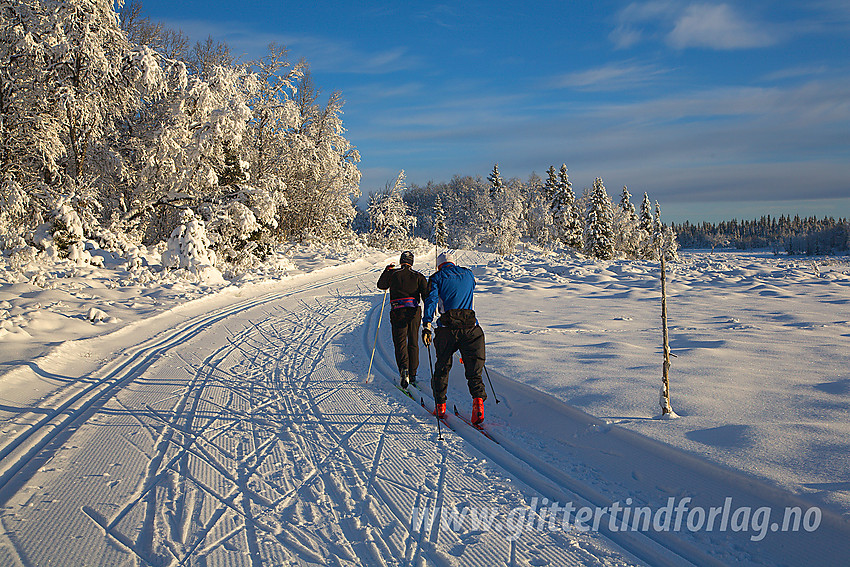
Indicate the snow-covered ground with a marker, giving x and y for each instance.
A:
(762, 347)
(147, 420)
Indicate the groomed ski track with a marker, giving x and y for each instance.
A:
(245, 435)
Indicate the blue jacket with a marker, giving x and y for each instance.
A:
(451, 287)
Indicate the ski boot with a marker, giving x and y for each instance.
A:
(405, 379)
(440, 410)
(477, 411)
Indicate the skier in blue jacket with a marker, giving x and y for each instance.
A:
(451, 287)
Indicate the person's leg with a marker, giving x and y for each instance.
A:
(399, 319)
(472, 351)
(445, 346)
(413, 343)
(400, 344)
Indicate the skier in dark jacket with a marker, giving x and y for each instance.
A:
(457, 329)
(407, 287)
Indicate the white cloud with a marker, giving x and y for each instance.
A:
(615, 76)
(796, 73)
(718, 26)
(635, 21)
(691, 25)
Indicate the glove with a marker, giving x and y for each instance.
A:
(390, 267)
(426, 334)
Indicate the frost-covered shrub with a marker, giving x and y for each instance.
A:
(233, 231)
(68, 234)
(189, 249)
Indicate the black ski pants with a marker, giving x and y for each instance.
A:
(470, 343)
(405, 325)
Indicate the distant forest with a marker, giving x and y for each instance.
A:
(810, 236)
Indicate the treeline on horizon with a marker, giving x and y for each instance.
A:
(499, 213)
(784, 234)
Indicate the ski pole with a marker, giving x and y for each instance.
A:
(431, 367)
(383, 301)
(491, 384)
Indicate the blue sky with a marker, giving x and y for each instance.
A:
(716, 109)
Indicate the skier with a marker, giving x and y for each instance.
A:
(406, 287)
(457, 329)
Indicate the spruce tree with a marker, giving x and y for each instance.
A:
(626, 203)
(495, 180)
(628, 237)
(565, 218)
(646, 215)
(599, 228)
(551, 186)
(656, 223)
(441, 237)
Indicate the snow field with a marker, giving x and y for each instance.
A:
(761, 345)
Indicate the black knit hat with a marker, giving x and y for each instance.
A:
(406, 258)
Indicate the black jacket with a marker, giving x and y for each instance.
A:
(404, 282)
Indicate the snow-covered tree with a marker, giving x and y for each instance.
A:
(391, 226)
(441, 237)
(506, 207)
(232, 231)
(69, 78)
(670, 244)
(568, 225)
(599, 229)
(88, 108)
(551, 185)
(189, 249)
(28, 130)
(95, 77)
(320, 171)
(656, 221)
(627, 234)
(186, 159)
(468, 211)
(626, 203)
(67, 232)
(645, 221)
(663, 240)
(495, 179)
(538, 216)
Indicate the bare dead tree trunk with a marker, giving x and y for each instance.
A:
(664, 399)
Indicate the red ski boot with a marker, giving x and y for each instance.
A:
(441, 410)
(477, 411)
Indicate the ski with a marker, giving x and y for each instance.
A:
(457, 413)
(407, 393)
(476, 426)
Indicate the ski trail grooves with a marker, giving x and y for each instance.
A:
(246, 437)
